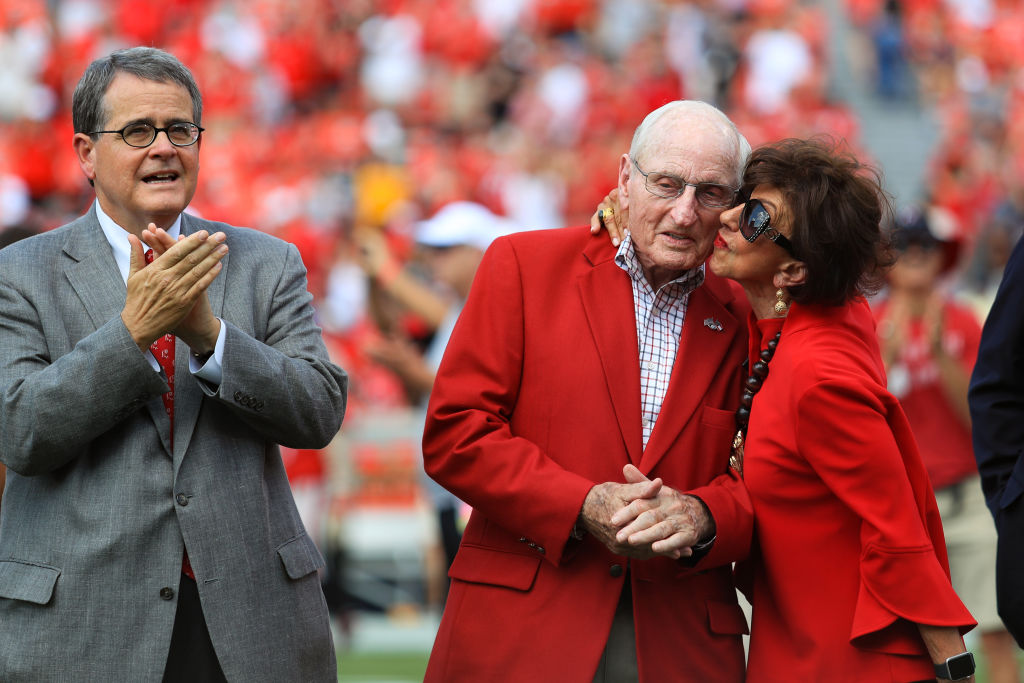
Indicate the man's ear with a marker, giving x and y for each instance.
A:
(625, 167)
(85, 149)
(791, 273)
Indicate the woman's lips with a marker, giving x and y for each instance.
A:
(719, 242)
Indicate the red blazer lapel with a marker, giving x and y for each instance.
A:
(708, 333)
(606, 295)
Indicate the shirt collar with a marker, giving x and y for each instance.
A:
(117, 237)
(688, 281)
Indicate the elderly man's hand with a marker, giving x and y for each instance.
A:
(170, 294)
(670, 523)
(603, 501)
(609, 216)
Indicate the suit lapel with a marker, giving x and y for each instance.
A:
(606, 293)
(702, 349)
(93, 273)
(188, 396)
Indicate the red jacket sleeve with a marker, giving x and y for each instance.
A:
(468, 444)
(860, 445)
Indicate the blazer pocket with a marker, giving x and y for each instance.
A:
(714, 441)
(300, 556)
(716, 417)
(495, 567)
(27, 581)
(726, 618)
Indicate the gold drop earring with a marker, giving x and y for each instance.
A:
(781, 307)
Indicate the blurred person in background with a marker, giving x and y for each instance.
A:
(148, 530)
(573, 363)
(996, 239)
(996, 401)
(451, 244)
(929, 344)
(892, 78)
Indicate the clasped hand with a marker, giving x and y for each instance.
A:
(170, 294)
(643, 518)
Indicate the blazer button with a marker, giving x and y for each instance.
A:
(615, 570)
(167, 593)
(182, 499)
(238, 396)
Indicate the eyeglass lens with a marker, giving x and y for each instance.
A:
(143, 134)
(709, 194)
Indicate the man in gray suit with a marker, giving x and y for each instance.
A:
(127, 479)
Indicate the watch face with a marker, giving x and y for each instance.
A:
(960, 666)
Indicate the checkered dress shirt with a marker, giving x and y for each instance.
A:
(659, 324)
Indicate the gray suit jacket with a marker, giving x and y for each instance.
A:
(98, 507)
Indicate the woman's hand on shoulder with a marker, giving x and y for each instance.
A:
(610, 217)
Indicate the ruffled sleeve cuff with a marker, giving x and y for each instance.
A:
(899, 588)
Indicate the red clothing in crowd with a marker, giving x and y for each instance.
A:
(848, 554)
(943, 438)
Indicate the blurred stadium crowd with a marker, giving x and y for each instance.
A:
(337, 124)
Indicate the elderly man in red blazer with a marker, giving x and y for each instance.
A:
(574, 362)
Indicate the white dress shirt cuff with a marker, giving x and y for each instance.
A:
(210, 371)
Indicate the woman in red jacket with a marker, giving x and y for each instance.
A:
(847, 574)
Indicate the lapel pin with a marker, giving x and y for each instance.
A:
(712, 324)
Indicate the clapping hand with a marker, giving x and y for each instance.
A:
(170, 294)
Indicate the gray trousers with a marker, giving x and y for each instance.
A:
(618, 662)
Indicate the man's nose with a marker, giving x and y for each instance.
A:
(161, 143)
(685, 206)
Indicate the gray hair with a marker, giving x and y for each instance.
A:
(641, 137)
(88, 112)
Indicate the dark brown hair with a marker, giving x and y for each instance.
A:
(835, 206)
(88, 109)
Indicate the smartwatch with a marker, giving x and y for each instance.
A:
(956, 668)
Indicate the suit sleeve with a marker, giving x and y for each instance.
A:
(282, 384)
(846, 436)
(996, 397)
(468, 443)
(53, 404)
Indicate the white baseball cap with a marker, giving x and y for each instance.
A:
(461, 223)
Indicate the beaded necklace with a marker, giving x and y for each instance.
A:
(753, 385)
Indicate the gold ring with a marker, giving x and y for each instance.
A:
(609, 212)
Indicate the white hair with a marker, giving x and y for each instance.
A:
(696, 108)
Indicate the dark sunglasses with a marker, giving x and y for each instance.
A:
(755, 221)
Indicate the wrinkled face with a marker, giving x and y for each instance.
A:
(752, 264)
(674, 235)
(136, 186)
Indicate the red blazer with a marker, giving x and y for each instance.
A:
(848, 553)
(537, 400)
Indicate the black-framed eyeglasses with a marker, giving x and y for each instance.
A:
(181, 134)
(755, 221)
(666, 186)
